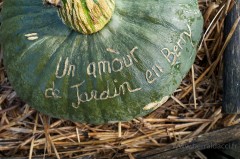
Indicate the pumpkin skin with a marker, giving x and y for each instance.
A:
(112, 75)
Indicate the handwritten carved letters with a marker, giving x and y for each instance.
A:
(95, 70)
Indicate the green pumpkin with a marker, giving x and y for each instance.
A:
(116, 73)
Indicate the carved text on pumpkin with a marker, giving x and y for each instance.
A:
(83, 97)
(66, 68)
(69, 69)
(52, 92)
(116, 65)
(152, 74)
(171, 56)
(100, 68)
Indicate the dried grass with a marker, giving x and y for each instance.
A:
(195, 108)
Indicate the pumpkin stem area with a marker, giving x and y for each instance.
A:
(86, 16)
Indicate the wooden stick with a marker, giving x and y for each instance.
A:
(193, 144)
(231, 76)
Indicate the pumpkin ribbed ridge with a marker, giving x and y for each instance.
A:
(87, 16)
